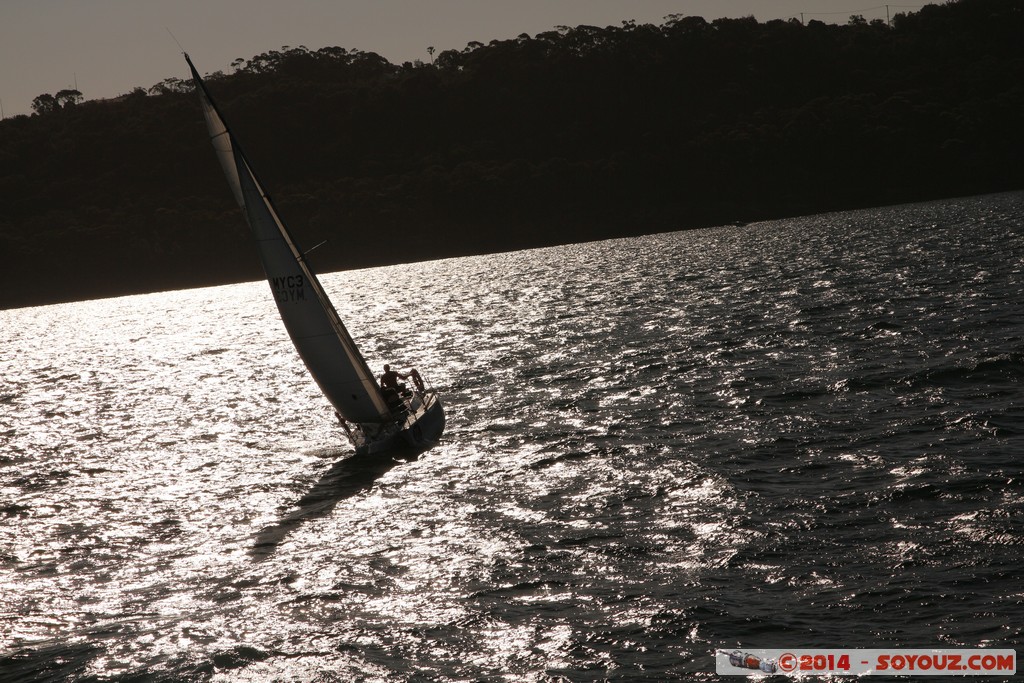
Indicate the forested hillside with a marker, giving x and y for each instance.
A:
(574, 134)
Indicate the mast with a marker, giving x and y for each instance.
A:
(314, 325)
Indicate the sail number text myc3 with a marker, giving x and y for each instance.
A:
(289, 288)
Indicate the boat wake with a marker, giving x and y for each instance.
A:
(346, 478)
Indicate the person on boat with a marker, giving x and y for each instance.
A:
(389, 380)
(417, 380)
(392, 389)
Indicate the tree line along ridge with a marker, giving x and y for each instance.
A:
(574, 134)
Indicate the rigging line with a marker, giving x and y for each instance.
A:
(314, 247)
(174, 39)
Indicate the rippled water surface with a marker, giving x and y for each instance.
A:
(798, 433)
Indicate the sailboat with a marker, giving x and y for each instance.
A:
(376, 419)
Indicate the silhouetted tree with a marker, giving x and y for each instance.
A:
(44, 104)
(63, 99)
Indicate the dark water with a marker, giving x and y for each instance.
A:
(803, 433)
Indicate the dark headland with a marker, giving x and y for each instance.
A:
(571, 135)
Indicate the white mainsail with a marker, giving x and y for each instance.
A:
(313, 324)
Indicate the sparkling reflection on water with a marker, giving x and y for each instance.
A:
(804, 432)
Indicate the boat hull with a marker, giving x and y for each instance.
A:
(420, 431)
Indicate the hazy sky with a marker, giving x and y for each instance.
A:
(109, 47)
